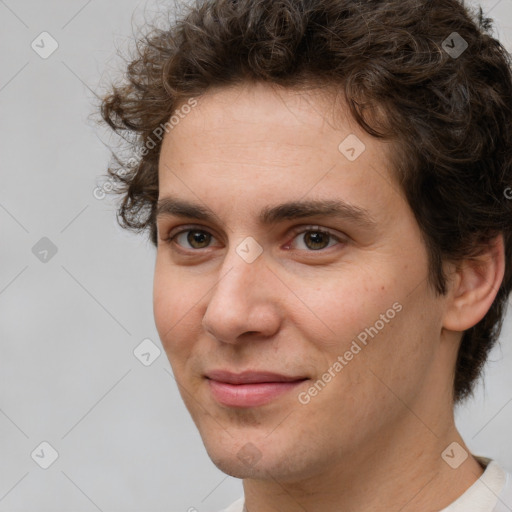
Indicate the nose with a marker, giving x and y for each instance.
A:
(243, 302)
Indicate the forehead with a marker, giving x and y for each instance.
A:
(263, 107)
(255, 143)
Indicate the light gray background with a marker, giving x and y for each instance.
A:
(69, 326)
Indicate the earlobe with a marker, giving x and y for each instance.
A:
(474, 286)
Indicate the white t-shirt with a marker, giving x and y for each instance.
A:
(492, 492)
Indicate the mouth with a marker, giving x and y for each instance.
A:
(250, 388)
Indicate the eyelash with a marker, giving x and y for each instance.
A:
(169, 240)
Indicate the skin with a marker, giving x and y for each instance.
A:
(372, 438)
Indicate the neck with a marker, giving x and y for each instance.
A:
(403, 471)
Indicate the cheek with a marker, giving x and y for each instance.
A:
(342, 306)
(175, 308)
(163, 302)
(371, 316)
(397, 358)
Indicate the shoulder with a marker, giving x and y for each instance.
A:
(498, 481)
(492, 492)
(504, 503)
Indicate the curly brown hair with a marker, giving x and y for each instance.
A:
(448, 115)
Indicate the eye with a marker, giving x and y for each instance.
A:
(190, 238)
(312, 239)
(315, 239)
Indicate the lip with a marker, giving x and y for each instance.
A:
(250, 377)
(249, 388)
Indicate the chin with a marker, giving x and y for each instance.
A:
(237, 456)
(237, 469)
(249, 462)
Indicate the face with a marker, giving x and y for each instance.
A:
(330, 293)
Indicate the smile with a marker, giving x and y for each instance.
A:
(250, 388)
(249, 395)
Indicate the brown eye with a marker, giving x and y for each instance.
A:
(316, 239)
(196, 239)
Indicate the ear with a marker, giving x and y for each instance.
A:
(474, 286)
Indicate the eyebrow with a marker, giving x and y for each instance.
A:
(173, 206)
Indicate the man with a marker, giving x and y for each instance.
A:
(326, 185)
